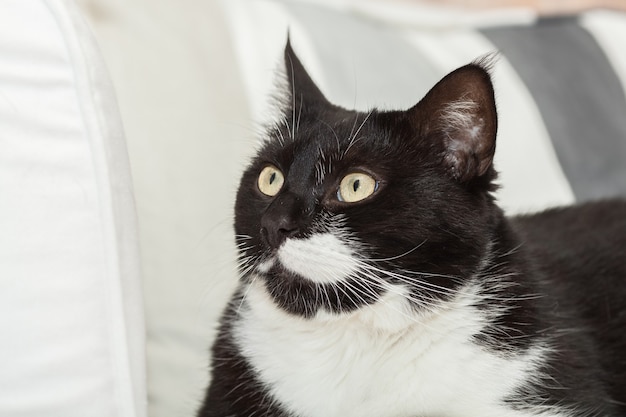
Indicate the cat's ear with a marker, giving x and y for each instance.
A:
(302, 90)
(460, 111)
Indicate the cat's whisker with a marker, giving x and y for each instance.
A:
(339, 305)
(356, 120)
(244, 258)
(385, 286)
(512, 251)
(427, 308)
(421, 303)
(333, 132)
(317, 295)
(328, 270)
(243, 247)
(299, 115)
(391, 273)
(320, 166)
(393, 258)
(246, 268)
(325, 292)
(293, 98)
(281, 138)
(413, 318)
(243, 252)
(365, 303)
(370, 306)
(286, 124)
(353, 137)
(410, 280)
(417, 281)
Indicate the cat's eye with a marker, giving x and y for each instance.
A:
(355, 187)
(270, 180)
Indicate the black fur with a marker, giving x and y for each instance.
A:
(561, 274)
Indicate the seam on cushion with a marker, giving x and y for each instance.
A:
(557, 46)
(603, 25)
(129, 397)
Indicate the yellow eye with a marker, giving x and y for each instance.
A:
(356, 187)
(270, 180)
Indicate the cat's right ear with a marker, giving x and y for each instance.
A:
(460, 113)
(303, 93)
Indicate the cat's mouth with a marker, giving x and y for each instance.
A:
(321, 258)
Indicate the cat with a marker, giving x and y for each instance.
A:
(379, 278)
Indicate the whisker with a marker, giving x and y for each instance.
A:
(286, 124)
(421, 302)
(413, 318)
(281, 138)
(393, 258)
(293, 98)
(299, 115)
(352, 138)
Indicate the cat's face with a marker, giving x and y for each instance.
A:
(340, 207)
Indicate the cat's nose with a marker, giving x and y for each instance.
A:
(275, 231)
(281, 221)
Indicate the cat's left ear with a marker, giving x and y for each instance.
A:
(302, 88)
(460, 111)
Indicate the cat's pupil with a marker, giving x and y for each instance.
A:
(356, 184)
(272, 177)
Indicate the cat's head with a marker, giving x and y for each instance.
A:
(340, 208)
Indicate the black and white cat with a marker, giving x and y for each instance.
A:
(380, 279)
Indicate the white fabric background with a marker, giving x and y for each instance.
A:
(71, 328)
(189, 133)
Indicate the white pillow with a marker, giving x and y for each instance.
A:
(71, 323)
(188, 132)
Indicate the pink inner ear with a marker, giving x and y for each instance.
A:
(469, 147)
(460, 111)
(462, 116)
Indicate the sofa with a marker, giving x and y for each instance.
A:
(125, 124)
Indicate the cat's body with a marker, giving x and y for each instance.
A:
(380, 279)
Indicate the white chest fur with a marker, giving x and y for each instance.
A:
(382, 361)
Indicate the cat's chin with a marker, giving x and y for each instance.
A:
(266, 266)
(391, 312)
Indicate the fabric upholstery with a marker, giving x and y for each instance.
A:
(71, 316)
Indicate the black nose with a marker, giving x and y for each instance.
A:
(281, 220)
(275, 232)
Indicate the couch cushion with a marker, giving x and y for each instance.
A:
(70, 304)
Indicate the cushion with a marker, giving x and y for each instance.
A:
(71, 316)
(188, 132)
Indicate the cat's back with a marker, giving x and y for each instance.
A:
(586, 241)
(580, 254)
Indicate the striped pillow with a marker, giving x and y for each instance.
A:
(559, 82)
